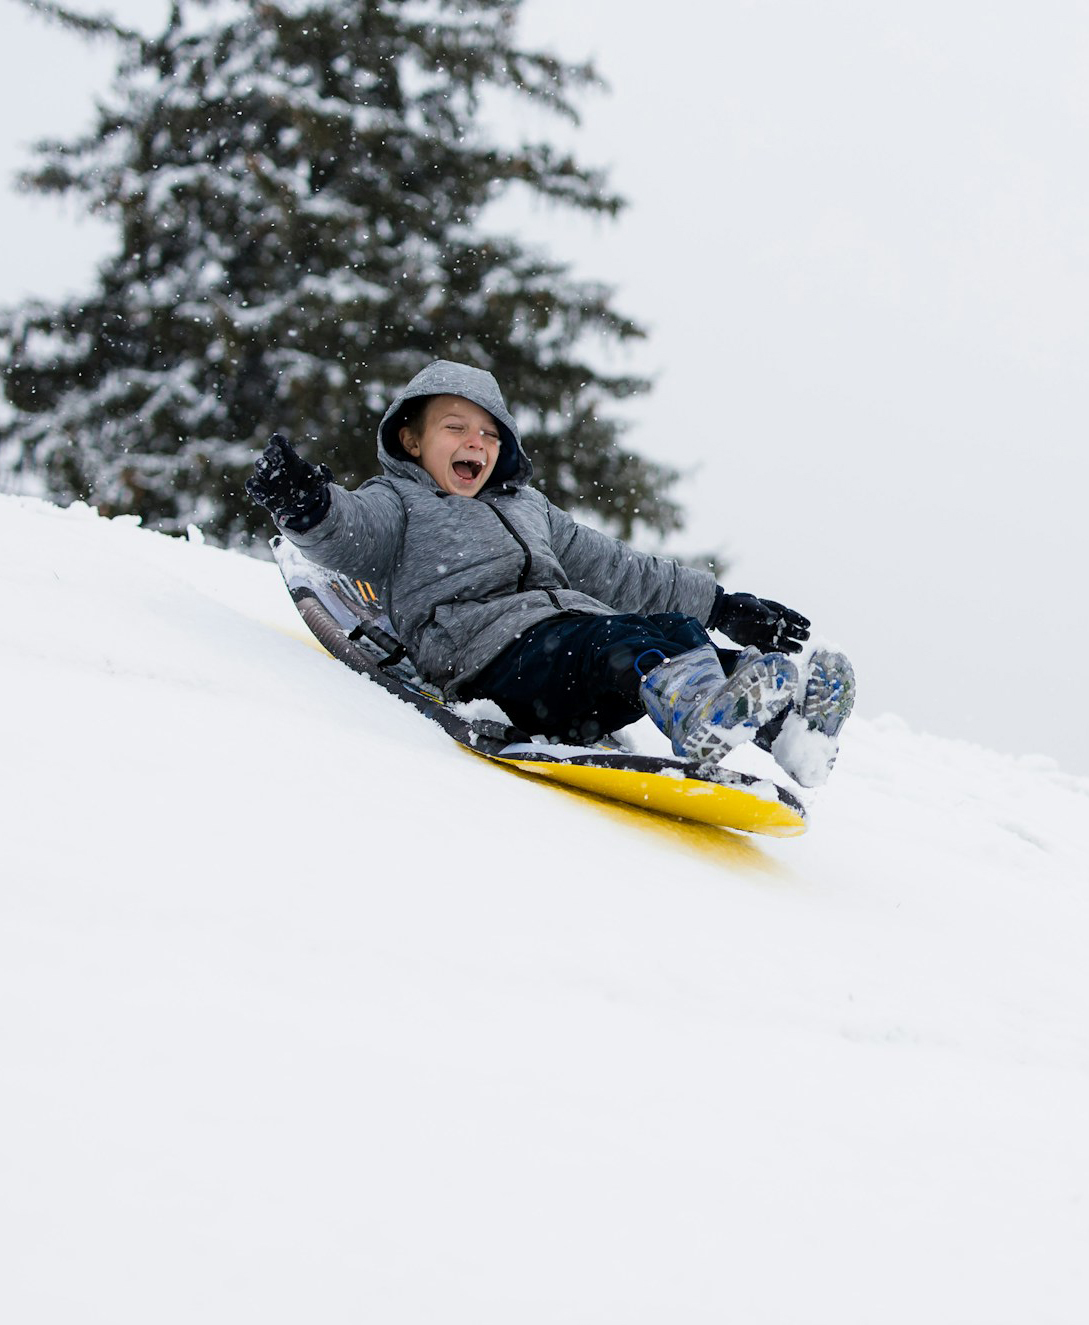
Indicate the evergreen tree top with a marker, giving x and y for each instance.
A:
(298, 189)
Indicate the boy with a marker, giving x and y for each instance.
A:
(498, 594)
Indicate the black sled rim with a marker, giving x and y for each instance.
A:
(492, 738)
(486, 737)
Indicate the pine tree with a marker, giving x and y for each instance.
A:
(298, 189)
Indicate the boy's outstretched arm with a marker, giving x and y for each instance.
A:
(355, 532)
(294, 492)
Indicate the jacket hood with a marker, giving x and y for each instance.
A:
(443, 378)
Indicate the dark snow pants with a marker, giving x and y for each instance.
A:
(575, 678)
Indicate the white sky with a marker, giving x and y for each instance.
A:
(860, 238)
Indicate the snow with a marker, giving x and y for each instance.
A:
(311, 1015)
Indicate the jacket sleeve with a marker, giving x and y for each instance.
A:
(629, 581)
(361, 534)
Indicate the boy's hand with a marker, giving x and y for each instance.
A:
(297, 493)
(760, 621)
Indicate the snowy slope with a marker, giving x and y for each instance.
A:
(310, 1015)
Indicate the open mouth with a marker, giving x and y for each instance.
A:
(468, 469)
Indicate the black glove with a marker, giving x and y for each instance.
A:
(760, 621)
(295, 492)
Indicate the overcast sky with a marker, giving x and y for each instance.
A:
(859, 236)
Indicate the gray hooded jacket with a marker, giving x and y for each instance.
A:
(463, 577)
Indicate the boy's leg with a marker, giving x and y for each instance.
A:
(575, 678)
(704, 713)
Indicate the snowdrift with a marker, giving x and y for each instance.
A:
(311, 1015)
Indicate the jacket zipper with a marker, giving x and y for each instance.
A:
(527, 563)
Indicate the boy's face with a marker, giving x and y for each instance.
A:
(458, 444)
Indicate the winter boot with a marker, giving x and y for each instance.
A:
(705, 713)
(808, 740)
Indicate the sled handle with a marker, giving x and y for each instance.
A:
(337, 640)
(383, 639)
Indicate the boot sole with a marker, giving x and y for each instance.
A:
(829, 693)
(766, 685)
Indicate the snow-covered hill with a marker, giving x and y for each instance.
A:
(309, 1015)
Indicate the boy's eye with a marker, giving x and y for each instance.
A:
(461, 427)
